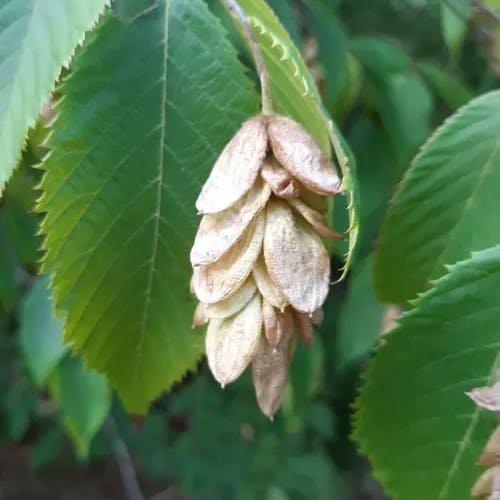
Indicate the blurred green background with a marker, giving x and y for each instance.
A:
(389, 71)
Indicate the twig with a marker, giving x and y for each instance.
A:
(123, 460)
(240, 17)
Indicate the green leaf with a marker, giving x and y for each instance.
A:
(286, 13)
(332, 45)
(450, 89)
(360, 322)
(446, 206)
(421, 433)
(148, 109)
(41, 333)
(10, 287)
(84, 399)
(454, 28)
(294, 94)
(392, 79)
(36, 39)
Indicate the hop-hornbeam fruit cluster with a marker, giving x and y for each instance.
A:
(260, 269)
(488, 484)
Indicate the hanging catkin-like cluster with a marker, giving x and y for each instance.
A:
(260, 269)
(488, 484)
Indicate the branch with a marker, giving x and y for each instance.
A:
(240, 17)
(123, 460)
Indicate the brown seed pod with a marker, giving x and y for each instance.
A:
(315, 219)
(266, 286)
(232, 343)
(298, 152)
(317, 317)
(200, 317)
(234, 303)
(296, 259)
(491, 453)
(269, 374)
(304, 328)
(282, 183)
(236, 169)
(219, 232)
(487, 483)
(313, 200)
(218, 281)
(277, 325)
(487, 398)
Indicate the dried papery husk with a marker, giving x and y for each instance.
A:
(200, 317)
(295, 258)
(266, 286)
(269, 374)
(299, 153)
(234, 303)
(487, 483)
(487, 398)
(304, 328)
(292, 346)
(314, 200)
(491, 453)
(315, 219)
(218, 281)
(231, 343)
(281, 182)
(236, 169)
(317, 317)
(219, 232)
(277, 325)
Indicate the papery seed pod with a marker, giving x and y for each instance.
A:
(317, 317)
(296, 259)
(218, 281)
(282, 183)
(315, 219)
(487, 483)
(219, 232)
(200, 317)
(314, 200)
(487, 398)
(266, 286)
(269, 374)
(491, 453)
(304, 328)
(234, 303)
(232, 343)
(236, 169)
(298, 152)
(277, 325)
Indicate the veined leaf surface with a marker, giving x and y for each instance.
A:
(423, 435)
(446, 206)
(148, 108)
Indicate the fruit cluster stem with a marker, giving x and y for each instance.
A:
(234, 8)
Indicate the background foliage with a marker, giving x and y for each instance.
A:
(388, 85)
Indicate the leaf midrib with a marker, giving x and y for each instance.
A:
(159, 197)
